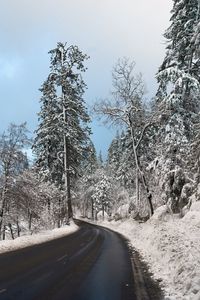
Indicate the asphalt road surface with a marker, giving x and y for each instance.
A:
(93, 263)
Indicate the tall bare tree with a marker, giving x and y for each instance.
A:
(126, 107)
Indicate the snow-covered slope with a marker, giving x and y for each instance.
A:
(30, 240)
(171, 247)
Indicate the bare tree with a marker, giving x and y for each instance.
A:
(126, 107)
(38, 203)
(12, 161)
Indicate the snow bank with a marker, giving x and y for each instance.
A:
(192, 218)
(123, 211)
(171, 248)
(101, 215)
(30, 240)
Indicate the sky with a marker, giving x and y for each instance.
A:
(104, 29)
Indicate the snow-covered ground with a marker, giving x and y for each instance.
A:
(43, 236)
(171, 247)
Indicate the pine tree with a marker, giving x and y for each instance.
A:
(178, 76)
(63, 132)
(114, 154)
(90, 162)
(178, 98)
(121, 161)
(48, 145)
(101, 194)
(180, 66)
(100, 160)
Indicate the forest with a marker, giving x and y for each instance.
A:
(153, 161)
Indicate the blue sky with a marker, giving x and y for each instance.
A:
(104, 29)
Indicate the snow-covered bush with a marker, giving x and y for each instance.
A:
(33, 205)
(122, 212)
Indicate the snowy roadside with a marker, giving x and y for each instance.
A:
(35, 239)
(171, 248)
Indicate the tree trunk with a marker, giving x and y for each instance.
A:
(58, 223)
(92, 209)
(11, 231)
(149, 195)
(4, 232)
(137, 187)
(139, 171)
(3, 205)
(49, 205)
(95, 215)
(68, 203)
(69, 199)
(103, 211)
(18, 228)
(29, 220)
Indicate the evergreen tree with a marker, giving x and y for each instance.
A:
(121, 160)
(114, 154)
(178, 76)
(90, 161)
(100, 160)
(180, 66)
(63, 132)
(48, 142)
(101, 195)
(178, 99)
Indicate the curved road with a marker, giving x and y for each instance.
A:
(94, 263)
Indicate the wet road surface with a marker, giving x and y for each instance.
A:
(93, 263)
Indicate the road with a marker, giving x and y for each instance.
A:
(93, 263)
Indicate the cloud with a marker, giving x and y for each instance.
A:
(104, 29)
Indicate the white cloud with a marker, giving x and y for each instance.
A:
(104, 29)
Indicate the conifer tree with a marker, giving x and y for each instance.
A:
(48, 139)
(90, 161)
(114, 154)
(63, 131)
(178, 76)
(178, 98)
(100, 160)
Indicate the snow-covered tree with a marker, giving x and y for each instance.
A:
(180, 65)
(126, 107)
(90, 162)
(95, 193)
(33, 204)
(100, 159)
(63, 132)
(120, 162)
(48, 142)
(177, 99)
(12, 162)
(114, 154)
(101, 197)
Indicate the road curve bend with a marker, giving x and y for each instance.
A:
(93, 263)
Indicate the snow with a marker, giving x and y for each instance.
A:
(102, 215)
(123, 211)
(35, 239)
(170, 246)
